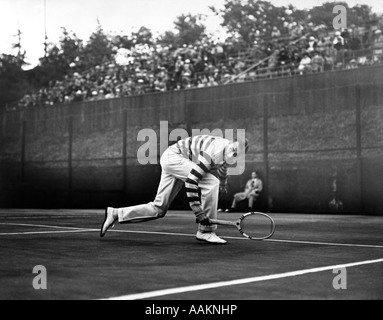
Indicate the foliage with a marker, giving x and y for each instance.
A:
(254, 19)
(13, 80)
(98, 49)
(359, 15)
(247, 21)
(190, 29)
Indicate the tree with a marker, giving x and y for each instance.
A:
(58, 59)
(98, 49)
(190, 29)
(143, 36)
(169, 38)
(13, 83)
(52, 67)
(71, 47)
(251, 19)
(323, 15)
(361, 15)
(18, 46)
(123, 41)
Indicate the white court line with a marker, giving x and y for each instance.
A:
(46, 232)
(66, 229)
(268, 240)
(193, 235)
(215, 285)
(57, 217)
(40, 226)
(327, 243)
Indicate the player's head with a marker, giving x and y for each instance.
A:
(235, 147)
(254, 175)
(234, 153)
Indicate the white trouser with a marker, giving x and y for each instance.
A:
(175, 170)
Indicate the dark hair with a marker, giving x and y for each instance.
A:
(256, 173)
(246, 145)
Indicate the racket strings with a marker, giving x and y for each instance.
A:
(256, 226)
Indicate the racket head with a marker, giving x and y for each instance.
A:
(256, 226)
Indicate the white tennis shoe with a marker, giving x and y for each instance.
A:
(209, 237)
(110, 220)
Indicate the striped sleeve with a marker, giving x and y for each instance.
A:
(193, 192)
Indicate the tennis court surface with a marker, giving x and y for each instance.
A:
(309, 257)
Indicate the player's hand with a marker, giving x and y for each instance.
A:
(203, 220)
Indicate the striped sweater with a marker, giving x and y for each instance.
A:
(208, 155)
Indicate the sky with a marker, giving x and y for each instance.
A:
(115, 16)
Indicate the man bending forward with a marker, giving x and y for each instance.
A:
(191, 162)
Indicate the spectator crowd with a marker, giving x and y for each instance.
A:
(146, 68)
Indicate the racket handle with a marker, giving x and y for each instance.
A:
(224, 222)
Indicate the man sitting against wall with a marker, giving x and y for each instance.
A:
(252, 191)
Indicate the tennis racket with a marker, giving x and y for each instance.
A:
(252, 225)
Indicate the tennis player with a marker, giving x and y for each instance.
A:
(190, 162)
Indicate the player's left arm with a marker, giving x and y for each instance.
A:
(209, 159)
(193, 192)
(218, 156)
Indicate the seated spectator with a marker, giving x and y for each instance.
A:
(218, 53)
(339, 66)
(296, 30)
(188, 70)
(295, 61)
(322, 44)
(283, 58)
(317, 62)
(312, 44)
(346, 35)
(355, 42)
(276, 33)
(251, 193)
(159, 85)
(305, 64)
(338, 42)
(353, 64)
(273, 61)
(378, 46)
(378, 39)
(199, 66)
(330, 56)
(239, 66)
(211, 82)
